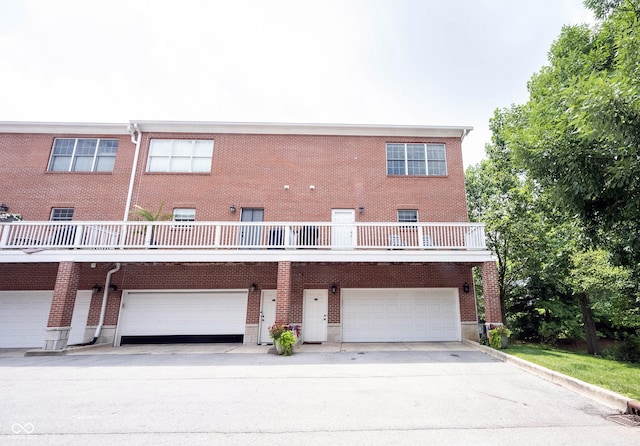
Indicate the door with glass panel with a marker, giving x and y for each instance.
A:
(251, 235)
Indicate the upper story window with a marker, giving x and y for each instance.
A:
(416, 159)
(61, 214)
(407, 216)
(184, 214)
(83, 155)
(180, 155)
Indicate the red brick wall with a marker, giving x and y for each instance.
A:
(242, 276)
(64, 295)
(347, 172)
(366, 275)
(491, 292)
(33, 191)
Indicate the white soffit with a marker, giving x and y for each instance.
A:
(303, 129)
(258, 128)
(76, 128)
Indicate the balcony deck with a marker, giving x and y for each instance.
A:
(141, 241)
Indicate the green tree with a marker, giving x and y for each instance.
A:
(579, 133)
(530, 238)
(599, 285)
(578, 138)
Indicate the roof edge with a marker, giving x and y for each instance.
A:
(235, 127)
(302, 129)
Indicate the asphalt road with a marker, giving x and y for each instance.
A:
(338, 398)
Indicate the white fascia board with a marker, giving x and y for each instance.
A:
(263, 128)
(75, 128)
(258, 128)
(213, 256)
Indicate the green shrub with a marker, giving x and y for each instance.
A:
(287, 339)
(628, 351)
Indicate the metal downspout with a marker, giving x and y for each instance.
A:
(136, 137)
(103, 310)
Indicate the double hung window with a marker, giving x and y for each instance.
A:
(416, 159)
(180, 155)
(83, 155)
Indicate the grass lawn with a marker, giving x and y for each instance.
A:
(619, 377)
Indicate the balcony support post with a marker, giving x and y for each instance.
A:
(491, 291)
(283, 294)
(61, 311)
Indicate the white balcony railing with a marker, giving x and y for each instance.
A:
(240, 235)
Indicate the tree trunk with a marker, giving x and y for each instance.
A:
(589, 325)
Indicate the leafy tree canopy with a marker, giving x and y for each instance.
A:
(579, 133)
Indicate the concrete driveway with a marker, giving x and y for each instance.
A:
(429, 394)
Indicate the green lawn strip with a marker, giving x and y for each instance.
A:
(619, 377)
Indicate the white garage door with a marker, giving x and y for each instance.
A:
(400, 315)
(181, 313)
(24, 316)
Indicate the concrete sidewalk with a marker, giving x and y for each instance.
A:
(196, 349)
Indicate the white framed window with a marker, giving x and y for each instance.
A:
(407, 216)
(416, 159)
(83, 155)
(180, 155)
(184, 214)
(61, 214)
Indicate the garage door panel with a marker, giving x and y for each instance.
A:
(396, 315)
(183, 313)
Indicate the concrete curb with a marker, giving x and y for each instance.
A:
(604, 396)
(71, 349)
(45, 352)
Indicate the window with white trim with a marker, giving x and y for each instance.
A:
(61, 214)
(407, 216)
(416, 159)
(184, 214)
(83, 155)
(180, 155)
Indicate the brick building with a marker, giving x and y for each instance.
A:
(354, 233)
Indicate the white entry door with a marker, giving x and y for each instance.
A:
(267, 315)
(316, 308)
(343, 236)
(77, 335)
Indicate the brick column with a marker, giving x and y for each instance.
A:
(283, 295)
(491, 291)
(64, 299)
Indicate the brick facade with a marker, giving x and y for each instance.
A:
(273, 172)
(491, 291)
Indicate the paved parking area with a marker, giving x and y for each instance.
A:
(416, 394)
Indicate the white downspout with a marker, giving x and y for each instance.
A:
(103, 310)
(136, 137)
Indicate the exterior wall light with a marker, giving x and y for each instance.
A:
(465, 288)
(253, 287)
(112, 287)
(96, 288)
(232, 208)
(4, 208)
(361, 209)
(334, 289)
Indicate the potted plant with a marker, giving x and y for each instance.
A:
(283, 338)
(499, 337)
(141, 213)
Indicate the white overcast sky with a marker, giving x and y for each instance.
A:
(401, 62)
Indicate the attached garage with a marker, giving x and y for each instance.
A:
(182, 316)
(400, 315)
(24, 316)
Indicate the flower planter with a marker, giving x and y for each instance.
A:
(279, 347)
